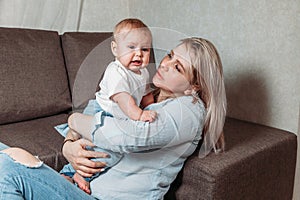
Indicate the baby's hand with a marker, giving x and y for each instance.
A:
(148, 116)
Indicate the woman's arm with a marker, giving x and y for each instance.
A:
(178, 121)
(147, 100)
(79, 157)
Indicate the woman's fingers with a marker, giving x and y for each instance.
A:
(84, 143)
(90, 154)
(80, 158)
(87, 167)
(83, 163)
(93, 154)
(88, 171)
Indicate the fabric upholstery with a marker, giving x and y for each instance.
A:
(86, 57)
(259, 163)
(38, 137)
(33, 76)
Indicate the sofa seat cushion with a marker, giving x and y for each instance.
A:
(34, 80)
(38, 137)
(259, 163)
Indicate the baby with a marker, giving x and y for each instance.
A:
(124, 88)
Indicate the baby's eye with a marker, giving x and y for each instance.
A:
(145, 49)
(169, 55)
(131, 47)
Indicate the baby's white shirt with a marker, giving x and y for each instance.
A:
(118, 79)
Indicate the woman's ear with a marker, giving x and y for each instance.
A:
(192, 90)
(114, 48)
(188, 91)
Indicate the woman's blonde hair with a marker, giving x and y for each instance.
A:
(208, 82)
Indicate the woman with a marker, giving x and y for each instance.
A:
(191, 106)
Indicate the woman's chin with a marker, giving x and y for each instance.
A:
(161, 86)
(156, 82)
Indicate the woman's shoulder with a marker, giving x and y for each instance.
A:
(183, 102)
(155, 106)
(188, 103)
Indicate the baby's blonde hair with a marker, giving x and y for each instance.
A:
(129, 24)
(208, 82)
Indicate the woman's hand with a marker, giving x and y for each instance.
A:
(79, 157)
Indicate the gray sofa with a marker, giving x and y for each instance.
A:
(39, 87)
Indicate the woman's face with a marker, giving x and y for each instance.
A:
(172, 74)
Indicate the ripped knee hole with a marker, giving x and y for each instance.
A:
(23, 157)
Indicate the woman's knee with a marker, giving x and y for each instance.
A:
(23, 157)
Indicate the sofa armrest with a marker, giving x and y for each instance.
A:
(259, 163)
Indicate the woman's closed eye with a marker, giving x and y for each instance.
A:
(177, 65)
(177, 68)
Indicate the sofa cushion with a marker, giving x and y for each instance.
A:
(38, 137)
(87, 56)
(33, 76)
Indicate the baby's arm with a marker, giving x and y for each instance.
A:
(129, 107)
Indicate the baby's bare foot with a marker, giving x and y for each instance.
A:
(82, 183)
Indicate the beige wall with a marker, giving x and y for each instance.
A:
(102, 15)
(55, 15)
(259, 45)
(258, 42)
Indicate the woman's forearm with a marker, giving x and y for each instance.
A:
(169, 129)
(80, 158)
(69, 138)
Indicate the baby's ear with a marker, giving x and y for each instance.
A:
(114, 48)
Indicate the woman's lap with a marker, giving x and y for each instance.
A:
(41, 182)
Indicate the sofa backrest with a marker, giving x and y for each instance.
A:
(33, 79)
(87, 55)
(84, 67)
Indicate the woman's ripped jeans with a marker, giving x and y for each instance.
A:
(24, 176)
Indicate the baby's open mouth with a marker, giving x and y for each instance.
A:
(136, 62)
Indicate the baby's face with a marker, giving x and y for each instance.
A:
(132, 49)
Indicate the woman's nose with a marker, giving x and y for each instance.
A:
(164, 67)
(167, 64)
